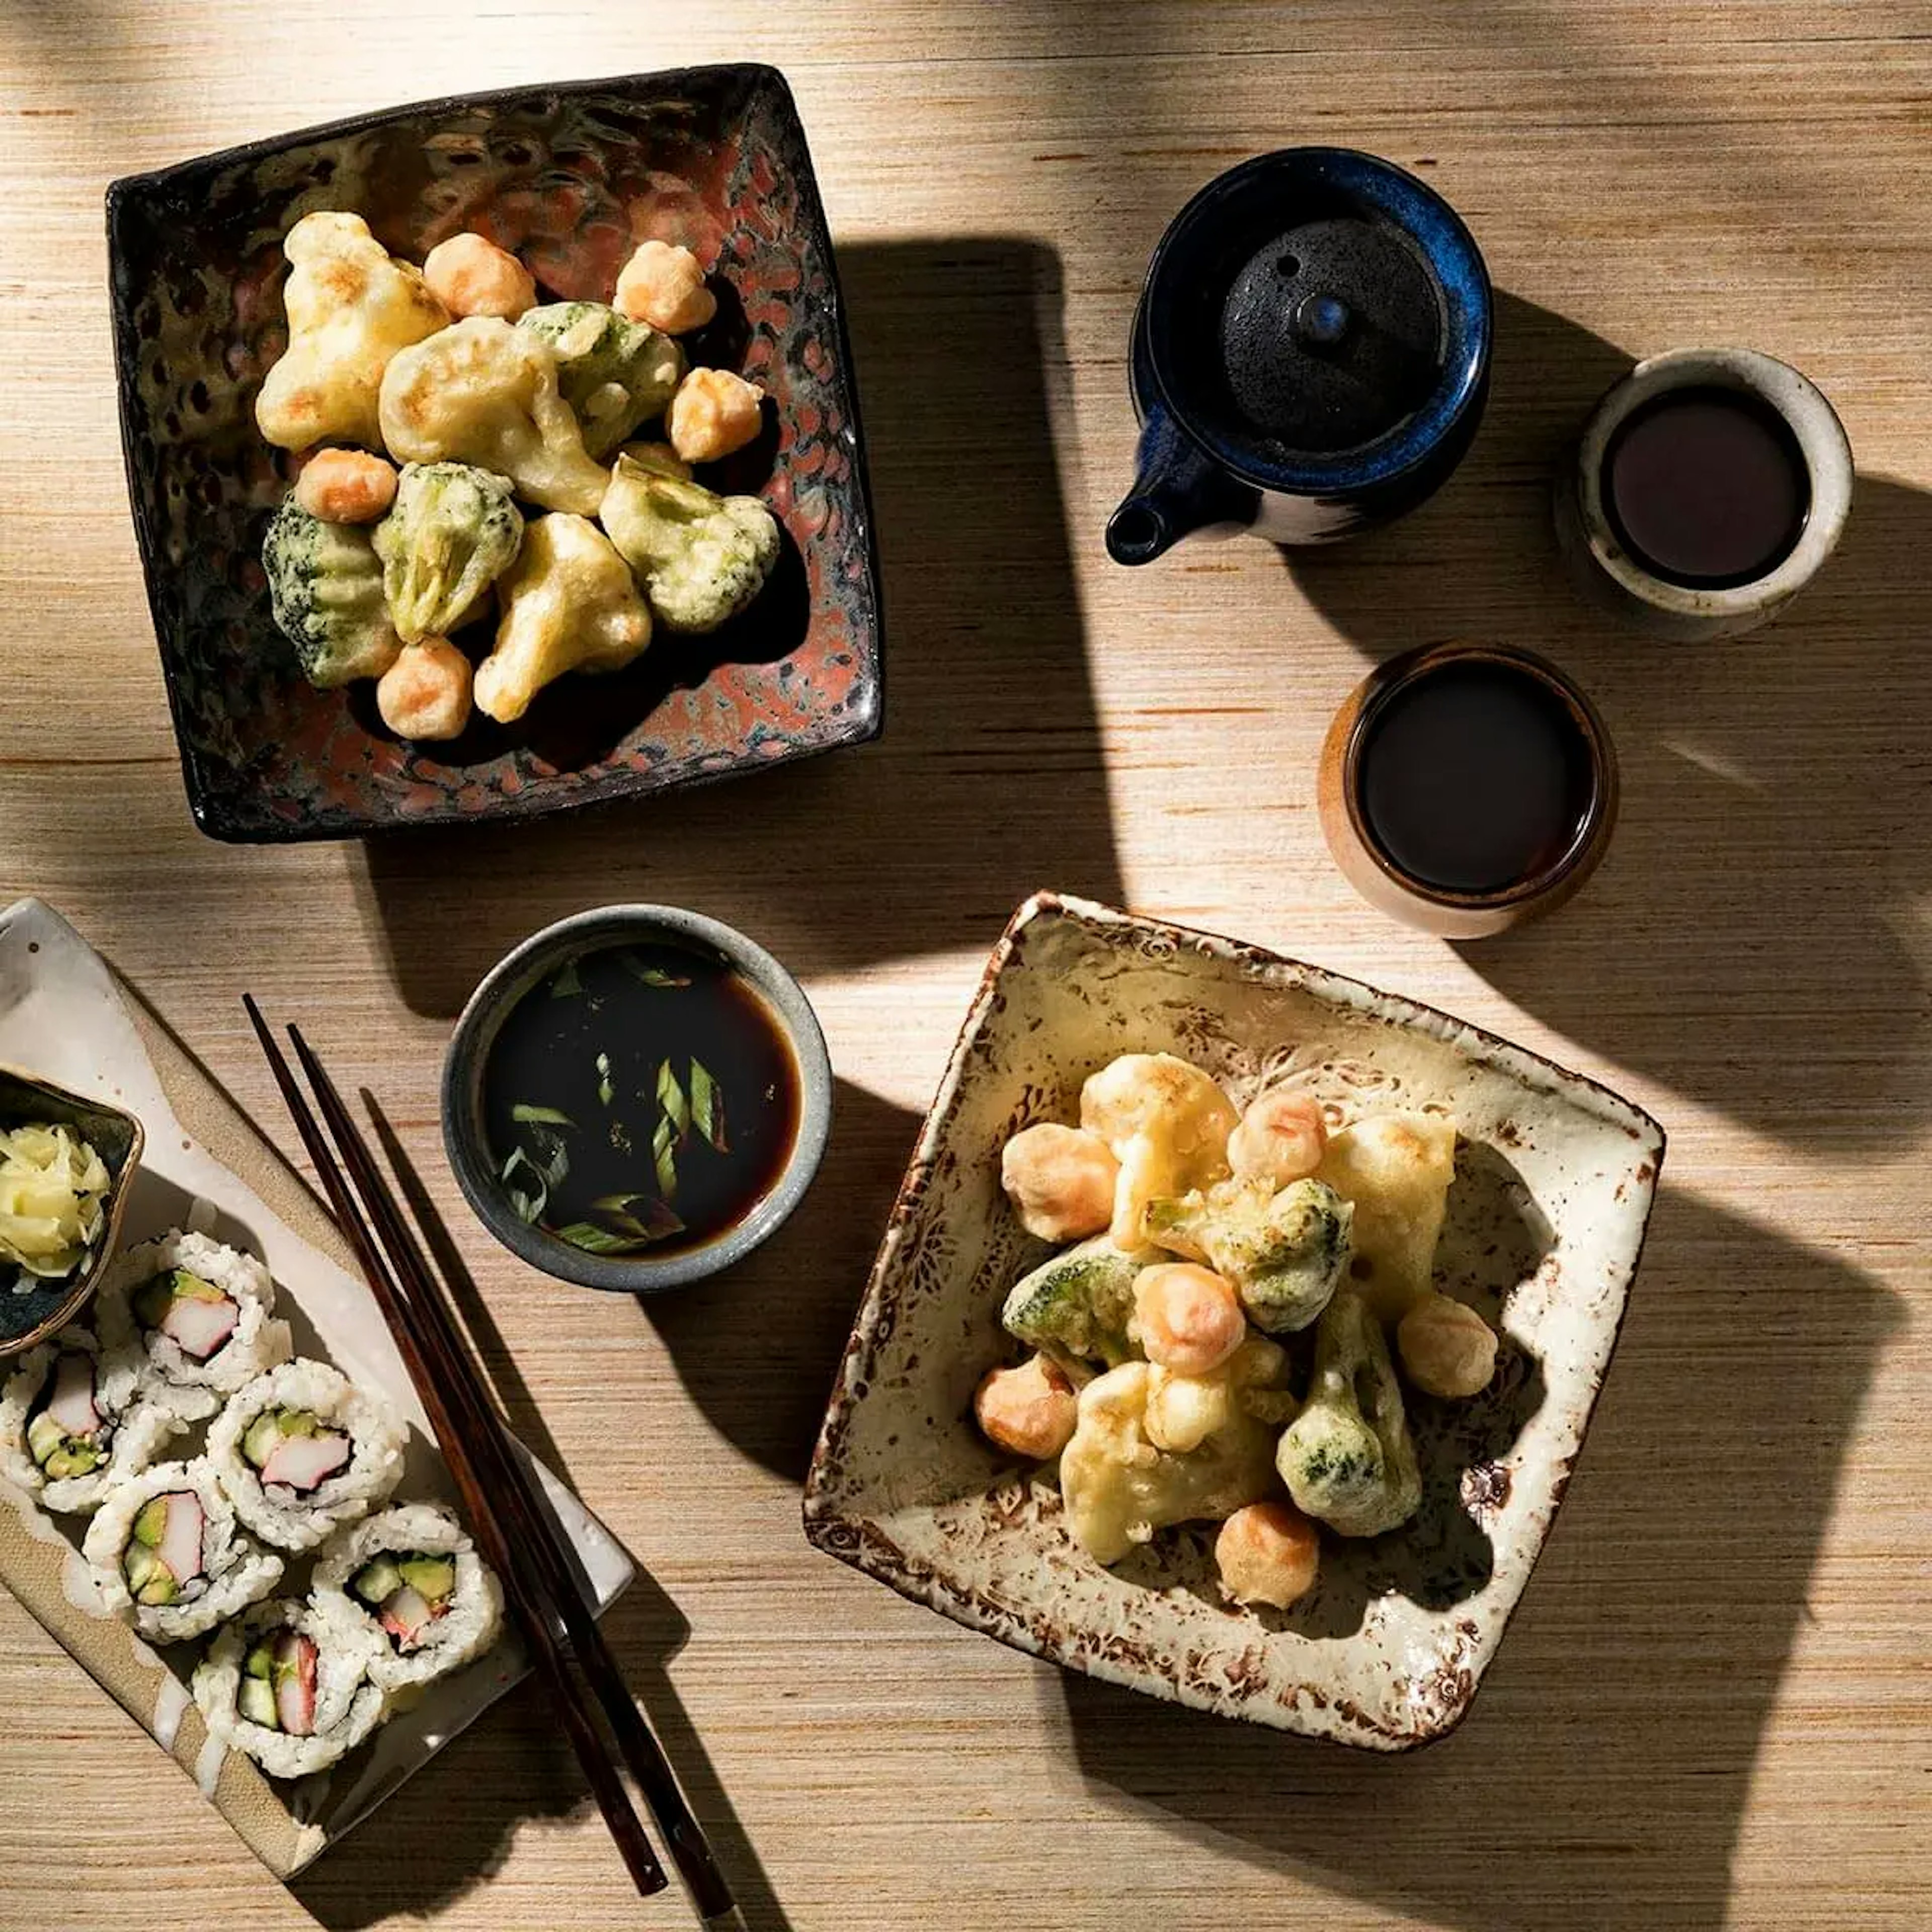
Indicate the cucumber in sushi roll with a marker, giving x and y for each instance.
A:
(74, 1424)
(198, 1315)
(410, 1579)
(287, 1687)
(166, 1554)
(301, 1451)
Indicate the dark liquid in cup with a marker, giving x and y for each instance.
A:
(1707, 487)
(1475, 777)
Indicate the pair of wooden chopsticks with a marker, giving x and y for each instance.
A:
(510, 1520)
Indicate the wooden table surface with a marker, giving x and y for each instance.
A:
(1715, 1705)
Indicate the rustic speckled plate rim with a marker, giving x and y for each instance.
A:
(862, 722)
(866, 1547)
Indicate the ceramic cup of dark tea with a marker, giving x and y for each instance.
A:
(1707, 491)
(1466, 788)
(636, 1097)
(1310, 355)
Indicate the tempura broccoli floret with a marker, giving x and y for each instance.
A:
(1347, 1457)
(455, 530)
(1078, 1304)
(701, 557)
(326, 587)
(1285, 1253)
(615, 372)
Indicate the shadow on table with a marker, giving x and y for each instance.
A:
(1754, 910)
(989, 782)
(762, 1374)
(1601, 1778)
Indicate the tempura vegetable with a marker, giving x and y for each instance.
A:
(351, 306)
(325, 588)
(455, 530)
(701, 557)
(615, 372)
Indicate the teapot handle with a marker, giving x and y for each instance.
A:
(1179, 488)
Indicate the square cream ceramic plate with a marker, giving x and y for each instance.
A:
(1544, 1226)
(62, 1015)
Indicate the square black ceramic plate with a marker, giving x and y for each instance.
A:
(570, 177)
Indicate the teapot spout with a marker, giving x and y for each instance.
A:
(1179, 489)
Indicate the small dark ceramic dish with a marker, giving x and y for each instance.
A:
(27, 1319)
(569, 178)
(466, 1139)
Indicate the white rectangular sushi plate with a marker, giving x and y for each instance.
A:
(62, 1017)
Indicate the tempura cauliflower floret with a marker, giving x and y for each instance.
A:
(569, 604)
(350, 308)
(701, 557)
(485, 392)
(1182, 1410)
(325, 588)
(616, 373)
(1395, 1169)
(664, 285)
(1119, 1487)
(1166, 1123)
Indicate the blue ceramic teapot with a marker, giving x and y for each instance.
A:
(1310, 355)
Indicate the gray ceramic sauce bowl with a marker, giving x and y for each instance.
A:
(466, 1142)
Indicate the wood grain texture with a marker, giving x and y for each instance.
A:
(1713, 1708)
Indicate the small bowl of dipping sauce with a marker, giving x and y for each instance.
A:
(1466, 788)
(1707, 491)
(635, 1098)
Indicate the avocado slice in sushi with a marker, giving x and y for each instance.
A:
(377, 1581)
(72, 1459)
(152, 1525)
(45, 1438)
(432, 1577)
(272, 1428)
(256, 1700)
(149, 1580)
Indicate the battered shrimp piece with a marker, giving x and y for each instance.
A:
(713, 413)
(1030, 1410)
(1448, 1348)
(1281, 1138)
(425, 694)
(470, 276)
(1186, 1318)
(1060, 1180)
(664, 286)
(1268, 1553)
(345, 486)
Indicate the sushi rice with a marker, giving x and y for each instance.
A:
(301, 1451)
(323, 1687)
(96, 1404)
(215, 1571)
(212, 1340)
(419, 1633)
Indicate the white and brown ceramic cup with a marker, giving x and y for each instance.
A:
(1466, 910)
(1601, 558)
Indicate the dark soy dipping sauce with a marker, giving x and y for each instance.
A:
(643, 1008)
(1474, 777)
(1707, 487)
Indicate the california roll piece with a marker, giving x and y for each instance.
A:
(301, 1451)
(165, 1552)
(411, 1579)
(198, 1315)
(289, 1687)
(73, 1425)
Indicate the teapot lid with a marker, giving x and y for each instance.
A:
(1315, 316)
